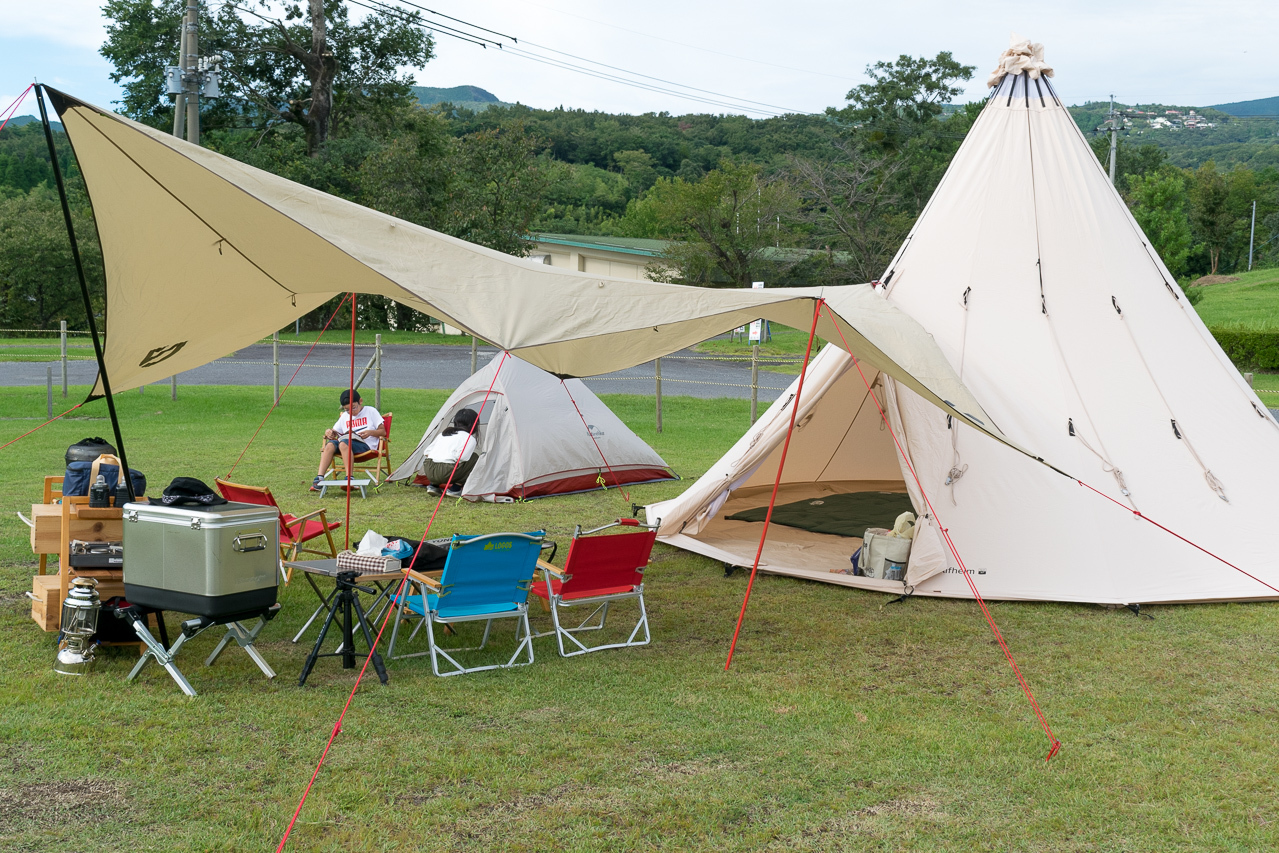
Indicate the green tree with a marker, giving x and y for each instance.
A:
(1158, 203)
(903, 98)
(313, 67)
(1210, 213)
(1131, 161)
(724, 229)
(38, 281)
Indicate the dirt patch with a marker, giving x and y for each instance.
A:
(1206, 280)
(93, 800)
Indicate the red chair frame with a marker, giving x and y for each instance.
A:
(599, 571)
(295, 530)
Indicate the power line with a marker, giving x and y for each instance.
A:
(718, 99)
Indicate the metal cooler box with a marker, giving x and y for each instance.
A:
(216, 561)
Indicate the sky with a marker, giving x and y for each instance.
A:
(756, 57)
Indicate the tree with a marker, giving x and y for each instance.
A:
(724, 229)
(902, 98)
(1158, 203)
(1210, 212)
(38, 281)
(313, 68)
(1131, 161)
(850, 206)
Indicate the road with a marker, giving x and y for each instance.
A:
(425, 366)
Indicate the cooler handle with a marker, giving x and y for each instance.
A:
(239, 542)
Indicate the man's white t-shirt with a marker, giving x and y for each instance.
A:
(367, 419)
(451, 448)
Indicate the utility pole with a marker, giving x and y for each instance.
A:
(1252, 233)
(192, 63)
(1114, 139)
(191, 77)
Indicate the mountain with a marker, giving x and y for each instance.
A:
(19, 121)
(469, 97)
(1260, 107)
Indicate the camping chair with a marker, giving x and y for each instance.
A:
(375, 463)
(295, 530)
(598, 570)
(484, 578)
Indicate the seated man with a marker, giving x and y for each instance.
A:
(458, 441)
(357, 431)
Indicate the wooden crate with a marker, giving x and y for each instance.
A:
(46, 532)
(47, 528)
(46, 609)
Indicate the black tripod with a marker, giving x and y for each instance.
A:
(345, 598)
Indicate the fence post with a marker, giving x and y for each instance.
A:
(473, 354)
(173, 386)
(657, 371)
(49, 395)
(64, 359)
(275, 364)
(377, 372)
(1247, 377)
(754, 382)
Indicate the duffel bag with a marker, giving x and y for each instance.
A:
(81, 475)
(88, 449)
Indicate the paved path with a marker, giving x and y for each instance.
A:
(426, 366)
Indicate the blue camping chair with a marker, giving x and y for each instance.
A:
(485, 578)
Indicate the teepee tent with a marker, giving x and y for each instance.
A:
(540, 436)
(1048, 301)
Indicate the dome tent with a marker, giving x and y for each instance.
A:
(532, 440)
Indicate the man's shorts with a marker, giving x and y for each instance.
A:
(357, 446)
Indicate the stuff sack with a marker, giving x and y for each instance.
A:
(81, 475)
(88, 449)
(878, 547)
(430, 558)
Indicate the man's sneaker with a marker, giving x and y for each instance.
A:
(433, 490)
(454, 491)
(315, 484)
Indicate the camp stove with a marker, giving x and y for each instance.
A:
(216, 562)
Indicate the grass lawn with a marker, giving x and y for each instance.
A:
(1252, 302)
(846, 723)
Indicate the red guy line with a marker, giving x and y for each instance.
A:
(817, 310)
(617, 481)
(13, 108)
(42, 426)
(285, 388)
(1055, 744)
(337, 727)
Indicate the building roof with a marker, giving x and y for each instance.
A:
(626, 245)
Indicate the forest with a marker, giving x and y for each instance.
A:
(830, 196)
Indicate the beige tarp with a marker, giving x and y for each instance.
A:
(205, 255)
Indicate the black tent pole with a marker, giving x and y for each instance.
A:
(84, 292)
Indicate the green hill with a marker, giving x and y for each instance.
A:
(1260, 107)
(469, 97)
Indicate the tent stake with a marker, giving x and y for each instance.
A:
(84, 292)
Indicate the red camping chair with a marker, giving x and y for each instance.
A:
(295, 530)
(598, 570)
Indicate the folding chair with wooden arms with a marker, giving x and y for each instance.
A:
(484, 578)
(598, 571)
(295, 530)
(375, 463)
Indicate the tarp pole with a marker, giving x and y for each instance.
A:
(84, 292)
(777, 481)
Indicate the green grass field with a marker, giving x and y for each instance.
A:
(846, 723)
(1252, 302)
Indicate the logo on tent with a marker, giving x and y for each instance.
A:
(595, 431)
(159, 354)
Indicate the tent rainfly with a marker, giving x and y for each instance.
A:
(257, 251)
(1050, 304)
(533, 441)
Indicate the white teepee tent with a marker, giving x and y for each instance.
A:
(1049, 303)
(533, 441)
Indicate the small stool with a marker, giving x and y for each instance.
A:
(341, 483)
(190, 628)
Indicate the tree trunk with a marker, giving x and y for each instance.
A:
(321, 66)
